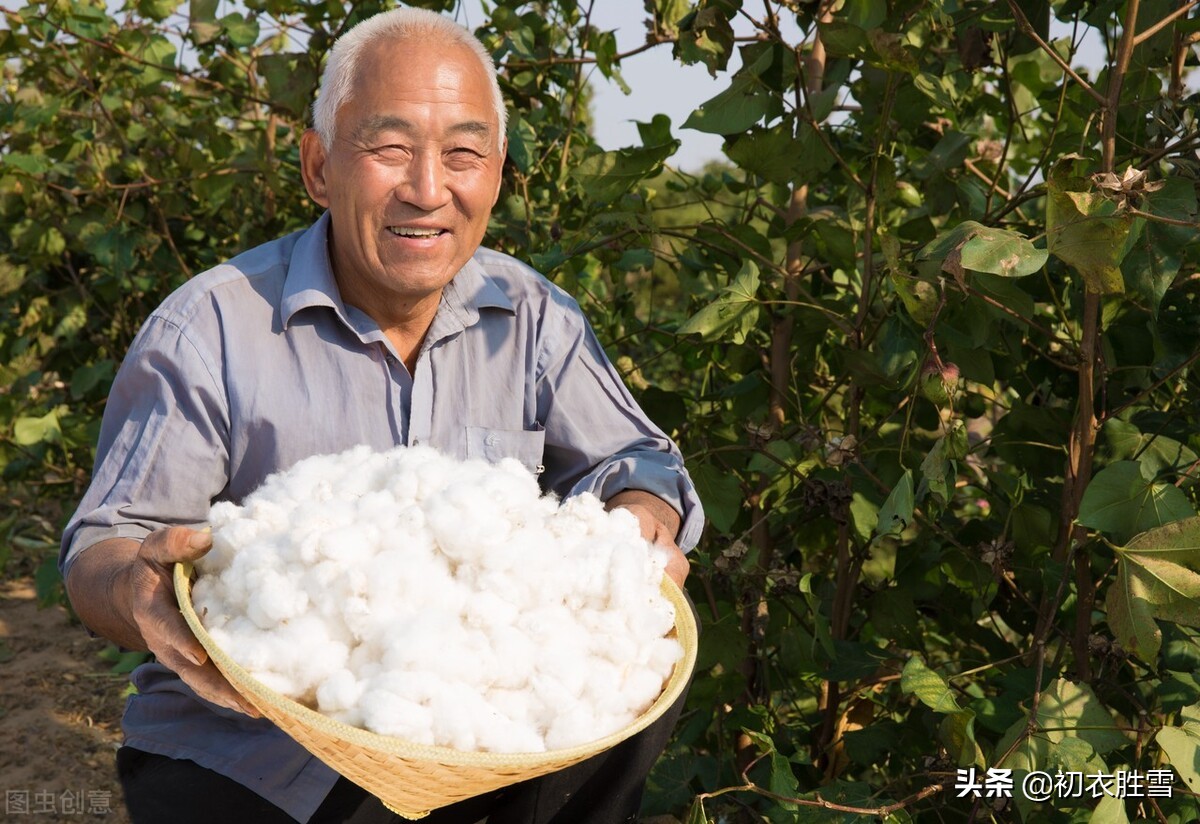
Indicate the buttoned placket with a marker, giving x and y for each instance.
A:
(399, 384)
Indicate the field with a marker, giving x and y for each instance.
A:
(60, 710)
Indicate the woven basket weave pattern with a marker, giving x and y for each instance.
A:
(413, 779)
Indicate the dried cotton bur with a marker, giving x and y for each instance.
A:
(441, 601)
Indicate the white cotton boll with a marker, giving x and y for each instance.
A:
(500, 734)
(271, 516)
(487, 609)
(378, 508)
(282, 684)
(616, 648)
(641, 688)
(652, 618)
(389, 714)
(275, 600)
(465, 526)
(514, 657)
(432, 477)
(622, 523)
(340, 692)
(575, 725)
(351, 545)
(236, 534)
(223, 512)
(550, 696)
(660, 656)
(603, 689)
(410, 527)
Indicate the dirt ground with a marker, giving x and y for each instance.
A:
(60, 710)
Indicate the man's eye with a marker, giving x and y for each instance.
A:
(389, 150)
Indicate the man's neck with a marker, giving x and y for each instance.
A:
(404, 322)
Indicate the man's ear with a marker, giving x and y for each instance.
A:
(500, 179)
(312, 167)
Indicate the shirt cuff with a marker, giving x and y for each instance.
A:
(661, 475)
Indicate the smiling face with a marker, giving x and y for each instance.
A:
(411, 176)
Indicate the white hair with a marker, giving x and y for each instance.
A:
(341, 69)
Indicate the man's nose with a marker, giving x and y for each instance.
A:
(425, 184)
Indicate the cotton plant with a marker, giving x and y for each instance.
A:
(441, 601)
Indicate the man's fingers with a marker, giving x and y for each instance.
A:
(169, 546)
(209, 684)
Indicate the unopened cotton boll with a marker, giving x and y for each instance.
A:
(441, 601)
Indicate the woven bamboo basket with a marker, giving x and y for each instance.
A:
(414, 779)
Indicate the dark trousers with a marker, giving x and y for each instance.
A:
(605, 789)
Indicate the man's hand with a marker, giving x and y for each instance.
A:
(660, 524)
(124, 590)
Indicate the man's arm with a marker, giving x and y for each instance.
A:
(123, 590)
(599, 440)
(660, 525)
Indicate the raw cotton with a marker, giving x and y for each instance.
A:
(445, 602)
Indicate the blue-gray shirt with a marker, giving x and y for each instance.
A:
(257, 363)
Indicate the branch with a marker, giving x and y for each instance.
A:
(1027, 29)
(880, 812)
(580, 61)
(1166, 21)
(1170, 221)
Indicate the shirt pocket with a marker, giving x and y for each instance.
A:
(494, 445)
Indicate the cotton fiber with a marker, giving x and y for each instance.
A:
(445, 602)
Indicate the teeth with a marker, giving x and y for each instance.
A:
(406, 231)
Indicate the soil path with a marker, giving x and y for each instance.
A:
(60, 710)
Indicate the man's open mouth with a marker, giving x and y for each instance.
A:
(414, 231)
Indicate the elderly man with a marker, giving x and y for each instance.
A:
(384, 323)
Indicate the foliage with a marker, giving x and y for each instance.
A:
(927, 338)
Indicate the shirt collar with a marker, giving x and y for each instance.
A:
(310, 282)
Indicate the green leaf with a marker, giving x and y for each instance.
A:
(1182, 748)
(1155, 453)
(933, 691)
(1122, 501)
(720, 493)
(1131, 618)
(48, 582)
(522, 143)
(957, 732)
(28, 431)
(978, 248)
(842, 39)
(291, 80)
(897, 511)
(33, 164)
(705, 36)
(696, 814)
(1084, 228)
(733, 314)
(1159, 251)
(743, 104)
(1066, 711)
(242, 30)
(1110, 810)
(779, 157)
(1157, 578)
(608, 175)
(783, 780)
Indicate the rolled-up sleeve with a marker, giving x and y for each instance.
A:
(162, 454)
(598, 439)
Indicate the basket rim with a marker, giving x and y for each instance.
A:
(260, 694)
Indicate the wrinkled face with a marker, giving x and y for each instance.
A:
(411, 176)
